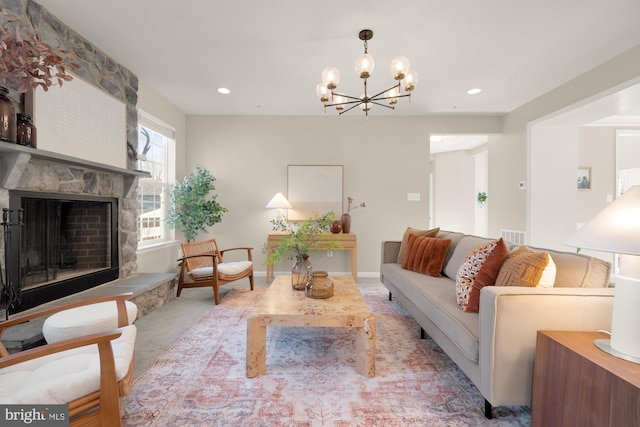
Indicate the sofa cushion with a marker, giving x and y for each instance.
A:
(455, 238)
(425, 254)
(575, 270)
(61, 377)
(523, 267)
(468, 271)
(405, 240)
(487, 274)
(464, 245)
(435, 296)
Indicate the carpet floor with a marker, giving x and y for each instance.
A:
(311, 379)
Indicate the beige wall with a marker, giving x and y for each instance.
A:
(384, 158)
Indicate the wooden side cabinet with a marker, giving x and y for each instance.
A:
(577, 384)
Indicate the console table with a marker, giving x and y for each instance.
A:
(326, 241)
(577, 384)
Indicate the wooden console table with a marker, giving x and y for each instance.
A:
(326, 241)
(577, 384)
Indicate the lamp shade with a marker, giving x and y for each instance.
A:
(279, 202)
(615, 229)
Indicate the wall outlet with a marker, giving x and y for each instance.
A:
(329, 254)
(413, 197)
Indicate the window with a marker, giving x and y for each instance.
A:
(155, 153)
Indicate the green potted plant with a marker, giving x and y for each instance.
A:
(297, 243)
(193, 206)
(482, 198)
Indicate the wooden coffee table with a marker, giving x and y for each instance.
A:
(283, 306)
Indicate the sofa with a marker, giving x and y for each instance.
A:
(495, 346)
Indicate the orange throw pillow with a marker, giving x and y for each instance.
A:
(487, 275)
(523, 267)
(426, 254)
(405, 240)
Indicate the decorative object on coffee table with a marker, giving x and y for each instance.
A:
(319, 285)
(301, 272)
(346, 217)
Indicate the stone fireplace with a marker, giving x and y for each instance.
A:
(79, 224)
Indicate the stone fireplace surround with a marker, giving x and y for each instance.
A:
(27, 169)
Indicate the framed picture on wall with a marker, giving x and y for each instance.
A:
(314, 190)
(584, 178)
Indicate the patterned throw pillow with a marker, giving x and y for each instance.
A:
(523, 267)
(426, 255)
(487, 275)
(468, 271)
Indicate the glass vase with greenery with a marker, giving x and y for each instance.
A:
(194, 207)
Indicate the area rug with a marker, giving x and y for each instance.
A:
(311, 378)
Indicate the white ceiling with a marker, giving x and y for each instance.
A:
(271, 53)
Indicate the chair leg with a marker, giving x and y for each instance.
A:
(216, 294)
(251, 280)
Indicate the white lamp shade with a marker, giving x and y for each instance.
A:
(365, 65)
(399, 67)
(331, 77)
(279, 202)
(615, 229)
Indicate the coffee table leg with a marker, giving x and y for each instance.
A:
(256, 347)
(366, 348)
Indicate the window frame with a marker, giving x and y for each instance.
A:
(148, 121)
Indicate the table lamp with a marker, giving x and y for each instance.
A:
(617, 229)
(279, 202)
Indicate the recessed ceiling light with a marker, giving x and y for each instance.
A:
(224, 90)
(474, 91)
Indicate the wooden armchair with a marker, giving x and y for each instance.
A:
(203, 265)
(89, 373)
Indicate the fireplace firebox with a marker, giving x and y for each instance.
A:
(66, 244)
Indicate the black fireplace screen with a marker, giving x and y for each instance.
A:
(63, 247)
(62, 239)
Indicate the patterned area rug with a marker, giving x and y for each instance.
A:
(311, 378)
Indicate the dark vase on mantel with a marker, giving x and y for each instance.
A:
(26, 133)
(7, 117)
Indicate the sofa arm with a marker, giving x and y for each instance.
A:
(509, 320)
(390, 251)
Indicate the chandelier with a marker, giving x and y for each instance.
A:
(399, 69)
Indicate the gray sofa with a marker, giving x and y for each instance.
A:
(495, 347)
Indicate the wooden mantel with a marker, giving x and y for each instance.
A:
(14, 159)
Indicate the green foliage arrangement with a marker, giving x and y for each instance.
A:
(301, 235)
(193, 209)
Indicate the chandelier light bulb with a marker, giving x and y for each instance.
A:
(365, 65)
(339, 100)
(410, 81)
(393, 93)
(331, 77)
(399, 67)
(322, 92)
